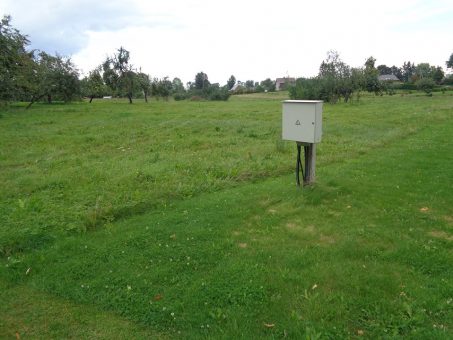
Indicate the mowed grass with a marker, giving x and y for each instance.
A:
(200, 250)
(71, 168)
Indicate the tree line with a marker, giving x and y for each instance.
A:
(33, 75)
(336, 80)
(250, 86)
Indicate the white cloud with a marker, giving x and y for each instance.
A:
(250, 39)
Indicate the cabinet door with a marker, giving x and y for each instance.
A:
(299, 122)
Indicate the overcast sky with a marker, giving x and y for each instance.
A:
(250, 39)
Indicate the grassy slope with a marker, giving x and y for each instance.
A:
(357, 253)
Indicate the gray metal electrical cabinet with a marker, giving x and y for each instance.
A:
(302, 120)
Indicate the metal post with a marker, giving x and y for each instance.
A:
(310, 163)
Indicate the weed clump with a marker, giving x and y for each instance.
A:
(98, 215)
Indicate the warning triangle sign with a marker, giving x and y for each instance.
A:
(297, 122)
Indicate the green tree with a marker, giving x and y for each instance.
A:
(155, 90)
(119, 74)
(144, 82)
(423, 70)
(384, 69)
(408, 70)
(109, 76)
(308, 89)
(335, 78)
(164, 88)
(161, 88)
(93, 85)
(14, 59)
(370, 62)
(231, 82)
(249, 84)
(371, 76)
(201, 81)
(33, 75)
(215, 92)
(178, 86)
(201, 87)
(268, 85)
(398, 72)
(426, 85)
(438, 74)
(178, 90)
(54, 77)
(449, 62)
(357, 80)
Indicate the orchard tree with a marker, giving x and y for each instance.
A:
(144, 82)
(335, 78)
(33, 75)
(53, 77)
(119, 74)
(161, 88)
(155, 90)
(62, 76)
(109, 76)
(371, 76)
(426, 85)
(93, 85)
(164, 87)
(13, 59)
(329, 76)
(357, 80)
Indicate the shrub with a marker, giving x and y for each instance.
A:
(426, 85)
(405, 86)
(325, 88)
(218, 94)
(211, 92)
(310, 89)
(389, 88)
(180, 96)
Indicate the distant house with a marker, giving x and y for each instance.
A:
(283, 83)
(236, 87)
(388, 77)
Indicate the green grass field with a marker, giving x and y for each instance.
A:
(182, 220)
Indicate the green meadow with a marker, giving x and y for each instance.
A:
(181, 219)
